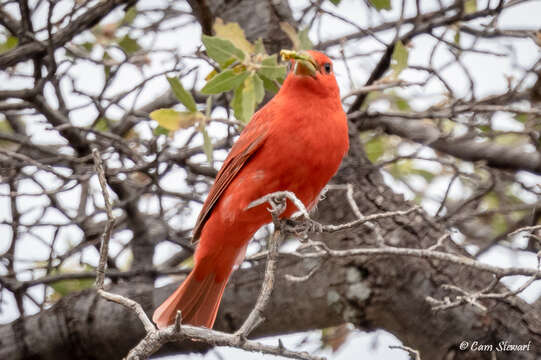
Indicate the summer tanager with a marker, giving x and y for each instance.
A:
(296, 143)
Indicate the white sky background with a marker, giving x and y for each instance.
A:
(489, 73)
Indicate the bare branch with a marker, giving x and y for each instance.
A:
(104, 248)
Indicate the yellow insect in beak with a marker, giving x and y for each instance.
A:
(304, 64)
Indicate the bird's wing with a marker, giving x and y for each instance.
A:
(249, 142)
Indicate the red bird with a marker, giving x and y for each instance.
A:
(296, 142)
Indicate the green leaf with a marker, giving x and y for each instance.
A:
(234, 33)
(211, 74)
(457, 38)
(305, 42)
(259, 89)
(64, 287)
(160, 130)
(236, 102)
(182, 95)
(5, 127)
(88, 46)
(269, 85)
(129, 15)
(107, 71)
(381, 4)
(374, 148)
(259, 48)
(243, 102)
(427, 175)
(189, 263)
(101, 125)
(173, 120)
(270, 69)
(446, 125)
(521, 118)
(129, 45)
(509, 139)
(400, 103)
(470, 6)
(484, 128)
(498, 224)
(335, 2)
(401, 168)
(207, 143)
(300, 40)
(106, 68)
(9, 44)
(248, 99)
(399, 59)
(222, 50)
(491, 201)
(290, 31)
(224, 81)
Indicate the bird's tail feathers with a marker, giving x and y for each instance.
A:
(197, 299)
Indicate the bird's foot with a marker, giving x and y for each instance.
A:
(302, 227)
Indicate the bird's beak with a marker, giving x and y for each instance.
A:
(304, 64)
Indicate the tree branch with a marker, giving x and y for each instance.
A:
(39, 49)
(470, 149)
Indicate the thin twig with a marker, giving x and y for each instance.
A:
(104, 251)
(256, 315)
(278, 205)
(106, 236)
(413, 353)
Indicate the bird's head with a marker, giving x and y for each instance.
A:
(312, 70)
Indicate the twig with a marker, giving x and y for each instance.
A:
(130, 304)
(413, 353)
(106, 236)
(419, 253)
(278, 205)
(306, 277)
(154, 340)
(25, 160)
(526, 228)
(368, 218)
(440, 241)
(380, 86)
(351, 201)
(474, 297)
(256, 315)
(104, 251)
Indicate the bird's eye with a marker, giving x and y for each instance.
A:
(327, 67)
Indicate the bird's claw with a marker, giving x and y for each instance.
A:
(302, 227)
(277, 206)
